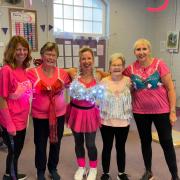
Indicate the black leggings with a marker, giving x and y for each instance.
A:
(90, 145)
(164, 130)
(18, 146)
(108, 133)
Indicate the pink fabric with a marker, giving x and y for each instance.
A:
(93, 164)
(6, 120)
(42, 112)
(52, 120)
(18, 104)
(81, 162)
(81, 120)
(151, 101)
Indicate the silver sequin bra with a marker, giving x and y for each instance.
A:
(77, 90)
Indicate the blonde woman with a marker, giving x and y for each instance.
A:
(83, 115)
(154, 101)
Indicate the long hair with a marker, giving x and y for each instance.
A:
(9, 53)
(81, 51)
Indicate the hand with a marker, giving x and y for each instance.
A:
(173, 118)
(72, 72)
(11, 129)
(12, 133)
(37, 62)
(98, 76)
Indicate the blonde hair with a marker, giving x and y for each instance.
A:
(116, 56)
(142, 41)
(85, 49)
(9, 53)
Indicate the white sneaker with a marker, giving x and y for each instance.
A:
(79, 173)
(92, 174)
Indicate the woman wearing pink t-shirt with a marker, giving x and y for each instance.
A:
(15, 91)
(154, 101)
(48, 109)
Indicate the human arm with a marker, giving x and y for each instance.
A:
(6, 117)
(101, 74)
(168, 83)
(7, 84)
(72, 72)
(65, 77)
(37, 62)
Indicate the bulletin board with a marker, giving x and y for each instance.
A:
(69, 51)
(24, 23)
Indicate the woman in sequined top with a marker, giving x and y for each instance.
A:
(15, 92)
(154, 101)
(82, 113)
(116, 114)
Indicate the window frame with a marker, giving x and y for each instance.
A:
(70, 34)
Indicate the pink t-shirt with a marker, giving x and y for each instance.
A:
(149, 100)
(17, 89)
(41, 102)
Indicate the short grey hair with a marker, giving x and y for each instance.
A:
(116, 56)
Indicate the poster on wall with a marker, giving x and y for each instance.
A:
(69, 51)
(173, 41)
(24, 23)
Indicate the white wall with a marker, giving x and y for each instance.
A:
(44, 16)
(128, 21)
(168, 20)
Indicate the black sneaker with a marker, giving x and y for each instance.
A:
(19, 177)
(40, 176)
(54, 175)
(7, 177)
(105, 177)
(148, 175)
(123, 176)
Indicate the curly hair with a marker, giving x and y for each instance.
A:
(9, 53)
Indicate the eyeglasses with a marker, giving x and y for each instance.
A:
(50, 55)
(116, 65)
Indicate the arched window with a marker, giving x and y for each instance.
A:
(79, 16)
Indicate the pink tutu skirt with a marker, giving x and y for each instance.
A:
(82, 116)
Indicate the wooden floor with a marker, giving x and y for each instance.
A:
(67, 165)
